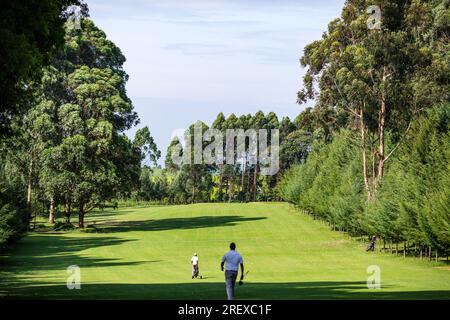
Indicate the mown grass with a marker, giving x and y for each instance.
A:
(144, 253)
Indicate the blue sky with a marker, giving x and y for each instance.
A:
(189, 60)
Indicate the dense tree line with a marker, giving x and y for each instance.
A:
(412, 203)
(238, 182)
(385, 171)
(68, 151)
(25, 48)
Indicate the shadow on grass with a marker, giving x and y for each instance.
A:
(173, 223)
(44, 252)
(216, 290)
(94, 214)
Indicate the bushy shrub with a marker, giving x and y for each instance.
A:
(12, 220)
(63, 226)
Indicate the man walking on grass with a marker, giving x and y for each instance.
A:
(232, 259)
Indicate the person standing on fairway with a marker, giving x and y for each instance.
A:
(232, 259)
(194, 262)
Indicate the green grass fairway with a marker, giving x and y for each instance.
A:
(144, 253)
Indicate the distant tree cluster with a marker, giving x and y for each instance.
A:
(242, 181)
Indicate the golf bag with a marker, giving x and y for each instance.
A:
(195, 271)
(371, 246)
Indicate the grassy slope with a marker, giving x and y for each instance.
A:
(145, 253)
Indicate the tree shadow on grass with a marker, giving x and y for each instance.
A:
(57, 252)
(216, 290)
(173, 223)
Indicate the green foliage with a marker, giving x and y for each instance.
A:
(30, 33)
(63, 226)
(412, 202)
(295, 148)
(241, 181)
(70, 147)
(382, 78)
(393, 83)
(154, 185)
(171, 150)
(10, 223)
(13, 218)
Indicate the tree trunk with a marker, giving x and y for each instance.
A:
(67, 211)
(29, 189)
(364, 157)
(219, 194)
(429, 253)
(381, 128)
(255, 182)
(396, 248)
(381, 147)
(390, 246)
(421, 253)
(227, 188)
(404, 249)
(247, 193)
(231, 189)
(81, 218)
(242, 182)
(436, 256)
(51, 216)
(243, 176)
(374, 153)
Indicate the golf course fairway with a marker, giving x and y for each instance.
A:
(144, 253)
